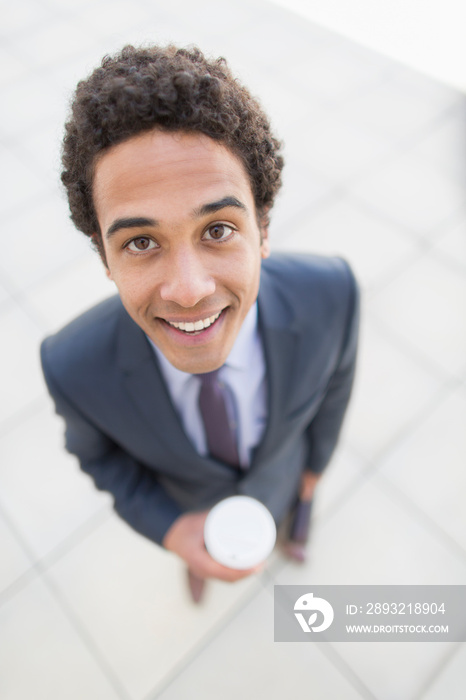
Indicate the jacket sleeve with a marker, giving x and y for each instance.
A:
(138, 497)
(322, 433)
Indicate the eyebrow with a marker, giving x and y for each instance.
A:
(130, 222)
(212, 207)
(141, 221)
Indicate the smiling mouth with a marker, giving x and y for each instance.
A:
(195, 327)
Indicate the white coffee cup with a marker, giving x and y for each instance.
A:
(239, 532)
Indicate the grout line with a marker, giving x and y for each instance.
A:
(77, 537)
(397, 495)
(398, 341)
(441, 395)
(372, 472)
(342, 666)
(334, 508)
(39, 570)
(40, 566)
(456, 216)
(328, 650)
(23, 414)
(10, 214)
(190, 657)
(86, 637)
(442, 666)
(334, 195)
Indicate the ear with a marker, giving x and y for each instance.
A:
(265, 243)
(99, 247)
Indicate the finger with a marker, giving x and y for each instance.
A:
(224, 573)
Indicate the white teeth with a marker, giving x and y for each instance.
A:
(197, 325)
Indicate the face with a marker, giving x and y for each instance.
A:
(182, 242)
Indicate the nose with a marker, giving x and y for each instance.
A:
(187, 280)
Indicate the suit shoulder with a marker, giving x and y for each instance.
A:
(83, 340)
(305, 278)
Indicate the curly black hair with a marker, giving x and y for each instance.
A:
(175, 89)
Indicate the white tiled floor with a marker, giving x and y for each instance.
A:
(376, 173)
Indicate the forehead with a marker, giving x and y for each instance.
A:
(167, 169)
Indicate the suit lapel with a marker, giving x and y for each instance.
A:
(280, 342)
(149, 394)
(145, 385)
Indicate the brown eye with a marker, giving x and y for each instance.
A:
(141, 244)
(219, 232)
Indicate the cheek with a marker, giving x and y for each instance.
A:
(134, 286)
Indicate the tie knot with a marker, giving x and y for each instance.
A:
(209, 377)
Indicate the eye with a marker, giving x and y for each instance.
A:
(218, 232)
(141, 244)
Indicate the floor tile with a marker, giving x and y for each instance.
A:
(287, 105)
(160, 30)
(372, 539)
(452, 245)
(4, 294)
(68, 5)
(375, 539)
(390, 393)
(451, 681)
(303, 191)
(412, 193)
(375, 663)
(244, 661)
(42, 655)
(342, 474)
(425, 306)
(40, 148)
(12, 67)
(38, 90)
(18, 183)
(109, 17)
(374, 247)
(130, 596)
(20, 372)
(445, 145)
(41, 486)
(44, 240)
(336, 72)
(71, 291)
(59, 37)
(428, 466)
(425, 86)
(22, 15)
(393, 110)
(293, 42)
(15, 562)
(337, 149)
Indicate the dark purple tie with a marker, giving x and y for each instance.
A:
(220, 433)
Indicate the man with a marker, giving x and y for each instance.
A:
(171, 168)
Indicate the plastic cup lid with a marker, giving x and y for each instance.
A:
(239, 532)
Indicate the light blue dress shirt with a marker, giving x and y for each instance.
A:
(244, 374)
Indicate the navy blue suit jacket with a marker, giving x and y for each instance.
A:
(122, 426)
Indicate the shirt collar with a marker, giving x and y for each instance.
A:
(241, 352)
(239, 357)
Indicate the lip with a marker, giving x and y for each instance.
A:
(196, 338)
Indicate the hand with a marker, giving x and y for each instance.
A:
(308, 483)
(186, 538)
